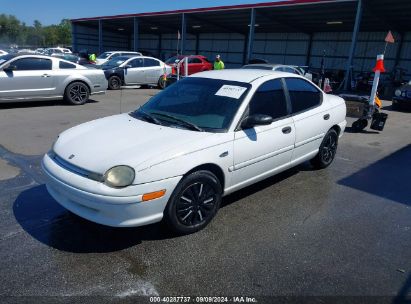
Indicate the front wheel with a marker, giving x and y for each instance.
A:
(194, 202)
(114, 83)
(327, 151)
(77, 93)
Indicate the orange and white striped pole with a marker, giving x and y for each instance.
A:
(378, 69)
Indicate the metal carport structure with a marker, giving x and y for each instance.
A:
(351, 32)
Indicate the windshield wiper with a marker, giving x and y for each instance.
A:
(149, 117)
(181, 121)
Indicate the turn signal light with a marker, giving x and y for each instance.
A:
(153, 195)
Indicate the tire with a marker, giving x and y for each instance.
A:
(162, 83)
(77, 93)
(395, 106)
(114, 83)
(194, 202)
(327, 150)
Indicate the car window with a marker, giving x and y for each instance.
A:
(66, 65)
(194, 60)
(115, 55)
(303, 94)
(137, 63)
(32, 64)
(269, 99)
(148, 62)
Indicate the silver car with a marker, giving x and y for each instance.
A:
(140, 70)
(35, 78)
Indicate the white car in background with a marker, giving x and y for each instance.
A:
(36, 77)
(293, 69)
(204, 137)
(106, 56)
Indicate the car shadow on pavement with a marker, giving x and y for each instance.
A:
(49, 223)
(404, 295)
(37, 104)
(389, 177)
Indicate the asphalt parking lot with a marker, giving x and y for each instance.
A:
(342, 231)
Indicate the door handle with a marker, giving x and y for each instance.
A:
(45, 75)
(287, 130)
(326, 116)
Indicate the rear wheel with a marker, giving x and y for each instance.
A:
(194, 202)
(114, 83)
(327, 151)
(77, 93)
(162, 83)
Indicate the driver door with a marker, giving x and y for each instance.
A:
(260, 150)
(32, 78)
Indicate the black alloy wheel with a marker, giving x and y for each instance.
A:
(194, 203)
(114, 83)
(327, 150)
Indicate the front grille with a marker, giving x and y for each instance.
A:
(408, 93)
(75, 169)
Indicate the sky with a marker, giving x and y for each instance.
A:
(52, 11)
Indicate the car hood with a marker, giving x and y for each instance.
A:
(123, 140)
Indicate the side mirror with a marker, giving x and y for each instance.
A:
(256, 120)
(128, 66)
(10, 68)
(177, 61)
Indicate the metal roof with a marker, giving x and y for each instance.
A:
(303, 16)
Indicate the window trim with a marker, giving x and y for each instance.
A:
(246, 110)
(287, 92)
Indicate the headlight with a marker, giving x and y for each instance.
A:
(119, 176)
(398, 93)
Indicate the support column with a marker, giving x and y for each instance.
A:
(135, 34)
(74, 37)
(100, 36)
(353, 45)
(197, 44)
(399, 49)
(251, 36)
(183, 33)
(310, 43)
(160, 46)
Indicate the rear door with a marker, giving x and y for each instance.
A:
(195, 65)
(32, 78)
(153, 70)
(310, 116)
(136, 73)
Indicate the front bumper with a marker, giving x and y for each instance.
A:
(113, 209)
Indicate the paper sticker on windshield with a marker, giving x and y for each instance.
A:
(231, 91)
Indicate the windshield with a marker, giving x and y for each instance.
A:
(115, 62)
(104, 55)
(196, 104)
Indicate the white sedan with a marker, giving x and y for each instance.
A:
(202, 138)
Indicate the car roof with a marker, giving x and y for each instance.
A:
(245, 75)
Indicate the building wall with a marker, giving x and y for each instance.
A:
(285, 48)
